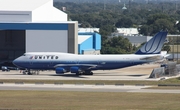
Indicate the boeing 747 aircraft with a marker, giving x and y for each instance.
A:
(85, 64)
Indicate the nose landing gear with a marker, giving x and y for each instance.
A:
(31, 72)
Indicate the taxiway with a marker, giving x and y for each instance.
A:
(140, 72)
(84, 88)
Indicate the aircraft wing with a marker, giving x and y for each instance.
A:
(85, 66)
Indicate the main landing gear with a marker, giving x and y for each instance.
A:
(84, 73)
(31, 72)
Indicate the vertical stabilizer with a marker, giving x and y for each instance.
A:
(154, 45)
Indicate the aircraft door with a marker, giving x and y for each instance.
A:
(31, 61)
(76, 61)
(51, 61)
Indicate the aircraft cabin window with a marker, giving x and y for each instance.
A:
(31, 57)
(43, 57)
(52, 57)
(56, 57)
(36, 57)
(40, 57)
(47, 57)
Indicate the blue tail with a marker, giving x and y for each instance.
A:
(154, 45)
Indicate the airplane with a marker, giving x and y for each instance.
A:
(85, 64)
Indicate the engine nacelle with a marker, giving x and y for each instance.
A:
(75, 69)
(60, 70)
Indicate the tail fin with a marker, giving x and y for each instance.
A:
(154, 45)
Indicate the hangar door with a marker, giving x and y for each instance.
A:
(12, 44)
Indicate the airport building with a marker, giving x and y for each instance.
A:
(138, 40)
(89, 43)
(119, 32)
(35, 26)
(88, 30)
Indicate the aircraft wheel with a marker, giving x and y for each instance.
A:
(91, 73)
(77, 73)
(37, 72)
(24, 72)
(29, 72)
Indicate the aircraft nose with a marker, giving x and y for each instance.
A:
(19, 62)
(14, 62)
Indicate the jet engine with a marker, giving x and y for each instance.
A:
(75, 70)
(60, 70)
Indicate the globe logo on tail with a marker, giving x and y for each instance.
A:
(154, 45)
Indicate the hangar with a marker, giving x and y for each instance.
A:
(34, 26)
(89, 43)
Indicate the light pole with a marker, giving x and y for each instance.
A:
(177, 43)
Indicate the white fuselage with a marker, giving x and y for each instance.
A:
(52, 60)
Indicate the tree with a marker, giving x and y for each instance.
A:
(108, 29)
(152, 18)
(158, 22)
(125, 22)
(166, 48)
(163, 24)
(149, 18)
(144, 30)
(85, 25)
(117, 45)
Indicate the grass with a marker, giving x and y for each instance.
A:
(106, 82)
(64, 100)
(48, 100)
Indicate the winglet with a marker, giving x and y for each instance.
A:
(154, 45)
